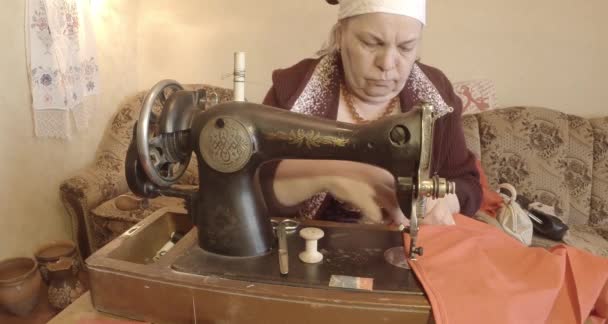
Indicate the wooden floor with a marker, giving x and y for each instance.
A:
(43, 312)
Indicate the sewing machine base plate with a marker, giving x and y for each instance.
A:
(355, 253)
(187, 284)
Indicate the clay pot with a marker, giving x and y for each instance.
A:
(51, 252)
(64, 285)
(19, 285)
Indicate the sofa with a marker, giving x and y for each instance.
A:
(551, 157)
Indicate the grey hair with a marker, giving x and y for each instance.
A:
(331, 45)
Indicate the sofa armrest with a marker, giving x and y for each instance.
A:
(88, 189)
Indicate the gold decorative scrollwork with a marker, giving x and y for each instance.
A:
(310, 138)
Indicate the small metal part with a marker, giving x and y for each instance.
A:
(534, 218)
(413, 231)
(400, 135)
(283, 228)
(225, 144)
(436, 187)
(290, 225)
(421, 207)
(176, 236)
(207, 98)
(283, 255)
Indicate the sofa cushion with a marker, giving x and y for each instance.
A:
(471, 134)
(599, 187)
(583, 237)
(579, 166)
(543, 242)
(587, 238)
(526, 147)
(602, 231)
(476, 95)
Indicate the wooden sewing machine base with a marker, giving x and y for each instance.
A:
(189, 285)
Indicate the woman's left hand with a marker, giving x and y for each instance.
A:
(437, 212)
(440, 211)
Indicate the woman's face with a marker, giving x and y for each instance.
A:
(378, 51)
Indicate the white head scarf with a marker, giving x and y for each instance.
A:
(411, 8)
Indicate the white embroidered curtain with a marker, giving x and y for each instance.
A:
(62, 63)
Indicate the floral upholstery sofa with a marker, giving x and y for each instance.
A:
(90, 195)
(554, 158)
(558, 159)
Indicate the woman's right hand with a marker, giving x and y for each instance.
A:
(369, 188)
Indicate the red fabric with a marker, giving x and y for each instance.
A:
(474, 273)
(107, 321)
(490, 199)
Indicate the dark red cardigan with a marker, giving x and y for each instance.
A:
(451, 157)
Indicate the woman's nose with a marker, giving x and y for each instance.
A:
(386, 59)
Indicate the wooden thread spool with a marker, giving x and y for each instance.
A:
(311, 235)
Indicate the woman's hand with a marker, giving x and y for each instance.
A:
(375, 200)
(369, 188)
(440, 211)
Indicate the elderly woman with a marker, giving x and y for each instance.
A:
(366, 71)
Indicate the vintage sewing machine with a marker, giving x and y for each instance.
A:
(235, 262)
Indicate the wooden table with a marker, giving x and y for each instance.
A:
(82, 311)
(188, 284)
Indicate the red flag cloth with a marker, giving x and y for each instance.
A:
(474, 273)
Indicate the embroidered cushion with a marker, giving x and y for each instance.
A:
(476, 95)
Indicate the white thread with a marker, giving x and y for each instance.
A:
(239, 76)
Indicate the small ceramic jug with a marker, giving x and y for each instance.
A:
(64, 285)
(51, 252)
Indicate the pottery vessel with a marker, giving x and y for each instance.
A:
(51, 252)
(64, 285)
(128, 202)
(20, 284)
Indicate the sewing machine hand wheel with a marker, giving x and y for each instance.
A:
(154, 150)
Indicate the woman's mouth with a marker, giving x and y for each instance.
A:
(381, 83)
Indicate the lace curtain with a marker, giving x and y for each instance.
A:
(62, 65)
